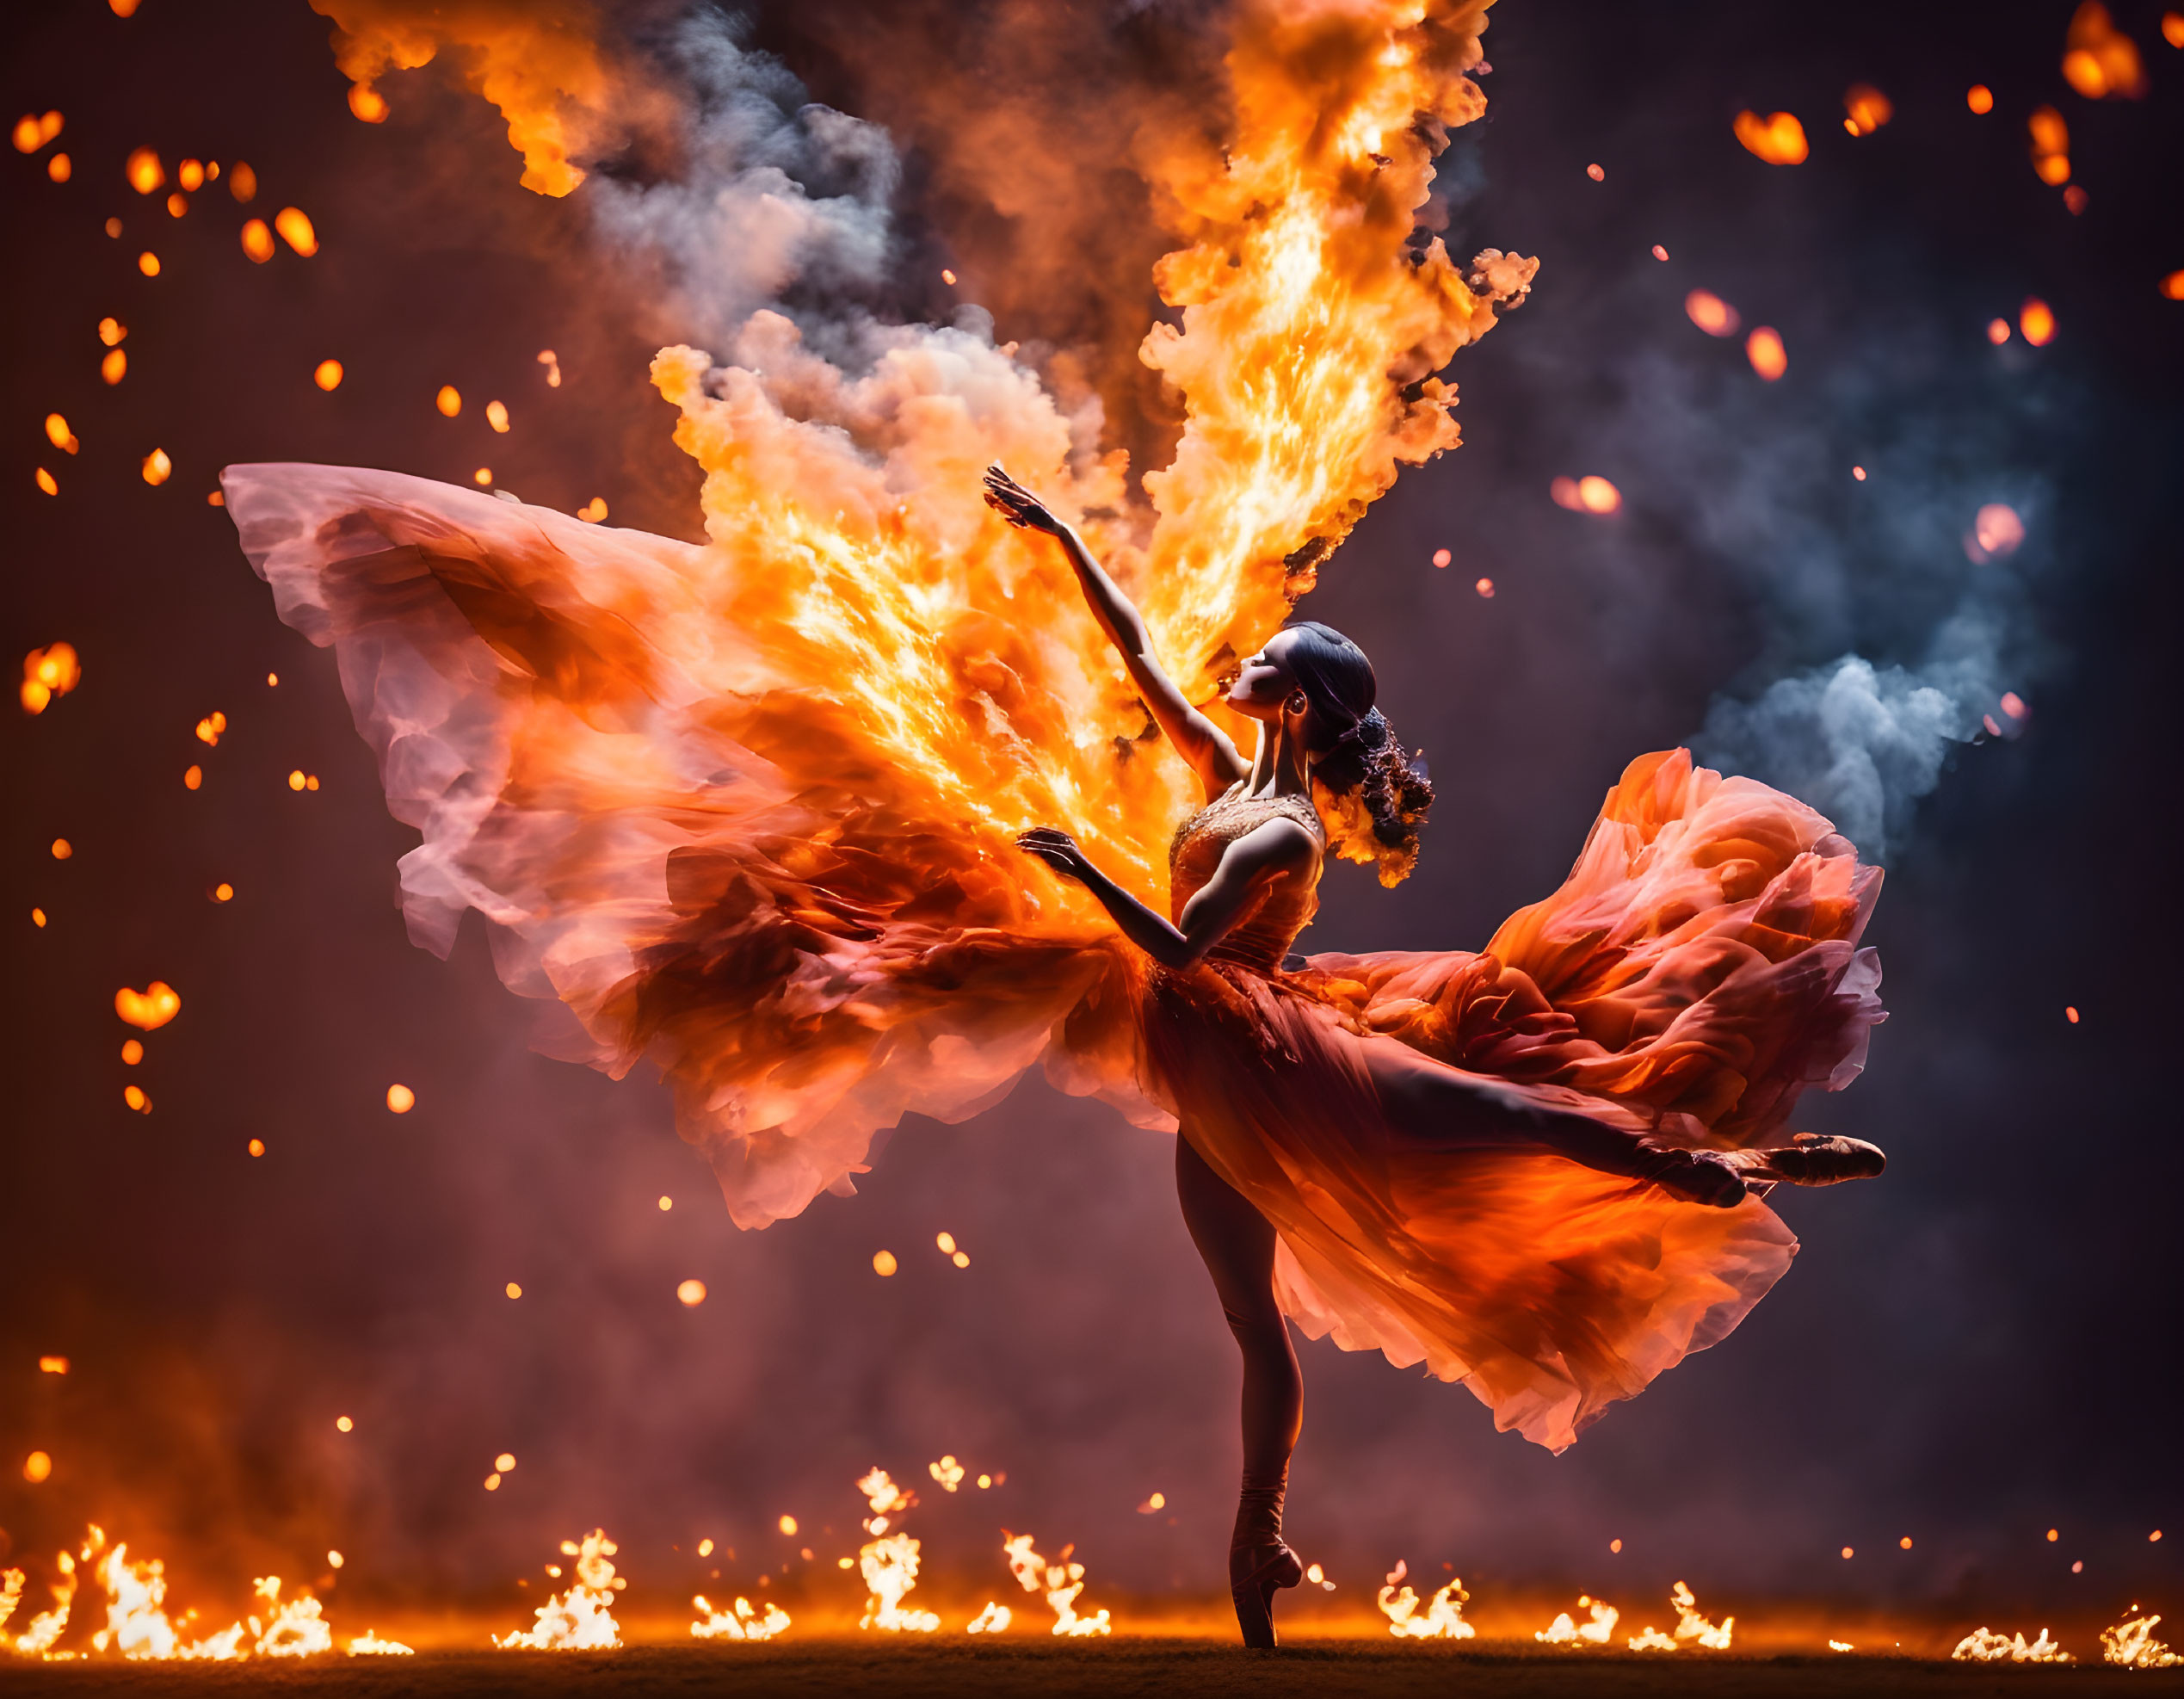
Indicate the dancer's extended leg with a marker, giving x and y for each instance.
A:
(1238, 1244)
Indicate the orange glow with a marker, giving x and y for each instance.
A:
(145, 172)
(178, 204)
(2075, 199)
(123, 8)
(1485, 588)
(243, 183)
(193, 777)
(327, 375)
(1763, 348)
(1867, 109)
(1442, 557)
(60, 167)
(27, 138)
(1596, 174)
(52, 1365)
(1996, 530)
(449, 401)
(148, 263)
(883, 1264)
(1998, 331)
(596, 510)
(257, 241)
(1711, 313)
(482, 477)
(1858, 473)
(401, 1099)
(553, 368)
(1905, 1542)
(496, 416)
(295, 230)
(135, 1097)
(513, 1290)
(115, 365)
(150, 1009)
(947, 277)
(131, 1051)
(1660, 253)
(367, 104)
(2051, 145)
(2099, 60)
(209, 728)
(37, 1467)
(1589, 494)
(58, 433)
(691, 1294)
(49, 672)
(157, 468)
(2173, 286)
(63, 848)
(1980, 98)
(215, 498)
(505, 1464)
(1779, 139)
(256, 1147)
(342, 1424)
(2035, 322)
(38, 917)
(666, 1204)
(46, 482)
(223, 892)
(190, 173)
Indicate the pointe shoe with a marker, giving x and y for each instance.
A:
(1812, 1160)
(1253, 1595)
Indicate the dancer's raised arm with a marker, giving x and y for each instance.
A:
(1212, 757)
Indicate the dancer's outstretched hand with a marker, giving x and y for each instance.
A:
(1016, 504)
(1057, 849)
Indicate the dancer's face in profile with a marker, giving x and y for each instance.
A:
(1266, 682)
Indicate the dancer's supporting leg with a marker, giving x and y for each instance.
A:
(1238, 1244)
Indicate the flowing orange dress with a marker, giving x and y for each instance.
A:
(697, 854)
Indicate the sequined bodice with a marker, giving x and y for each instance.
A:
(1282, 908)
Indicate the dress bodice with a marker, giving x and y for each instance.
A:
(1282, 907)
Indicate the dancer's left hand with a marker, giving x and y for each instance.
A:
(1057, 849)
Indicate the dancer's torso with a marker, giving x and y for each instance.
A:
(1283, 906)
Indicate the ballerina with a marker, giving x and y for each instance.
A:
(1245, 871)
(732, 833)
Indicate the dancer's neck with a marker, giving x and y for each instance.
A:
(1279, 766)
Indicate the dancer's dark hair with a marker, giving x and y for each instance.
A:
(1372, 799)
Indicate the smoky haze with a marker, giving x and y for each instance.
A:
(1976, 1349)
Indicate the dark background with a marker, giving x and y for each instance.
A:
(1980, 1347)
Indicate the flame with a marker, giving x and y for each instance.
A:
(2099, 60)
(145, 172)
(56, 1365)
(46, 482)
(993, 1619)
(150, 1009)
(1778, 138)
(1979, 1646)
(741, 1622)
(2130, 1643)
(33, 131)
(367, 104)
(58, 433)
(43, 1630)
(1060, 1583)
(2050, 139)
(582, 1618)
(1692, 1628)
(294, 228)
(947, 1472)
(889, 1566)
(157, 468)
(369, 1645)
(2035, 322)
(538, 69)
(211, 727)
(37, 1467)
(1444, 1615)
(1564, 1631)
(49, 672)
(1866, 109)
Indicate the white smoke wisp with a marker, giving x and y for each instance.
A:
(772, 195)
(1859, 742)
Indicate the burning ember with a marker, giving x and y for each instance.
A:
(1596, 1631)
(47, 673)
(2099, 60)
(1779, 139)
(1866, 109)
(1059, 1582)
(1589, 494)
(739, 1622)
(1692, 1628)
(1979, 1646)
(1444, 1615)
(584, 1617)
(1711, 313)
